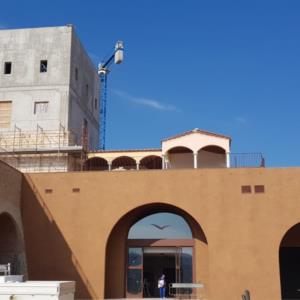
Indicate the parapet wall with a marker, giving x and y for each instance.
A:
(244, 213)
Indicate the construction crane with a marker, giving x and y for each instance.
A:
(103, 70)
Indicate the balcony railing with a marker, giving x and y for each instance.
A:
(247, 160)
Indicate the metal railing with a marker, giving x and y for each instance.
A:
(18, 140)
(247, 160)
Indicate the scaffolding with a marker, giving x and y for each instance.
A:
(43, 150)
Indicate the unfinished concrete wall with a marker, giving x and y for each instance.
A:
(25, 48)
(84, 92)
(11, 228)
(66, 94)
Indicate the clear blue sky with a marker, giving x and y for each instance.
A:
(231, 67)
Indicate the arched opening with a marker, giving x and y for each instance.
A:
(10, 245)
(289, 261)
(151, 162)
(96, 164)
(150, 240)
(211, 157)
(123, 163)
(180, 158)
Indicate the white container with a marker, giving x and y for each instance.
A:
(38, 290)
(11, 278)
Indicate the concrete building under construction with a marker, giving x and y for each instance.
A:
(49, 103)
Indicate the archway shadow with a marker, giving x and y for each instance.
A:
(49, 257)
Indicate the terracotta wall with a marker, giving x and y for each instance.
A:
(68, 218)
(11, 231)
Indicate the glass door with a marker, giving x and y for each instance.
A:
(135, 273)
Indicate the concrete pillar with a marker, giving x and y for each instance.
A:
(228, 159)
(163, 161)
(109, 166)
(196, 160)
(137, 165)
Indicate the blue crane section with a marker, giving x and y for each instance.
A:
(103, 71)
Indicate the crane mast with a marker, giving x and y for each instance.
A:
(103, 71)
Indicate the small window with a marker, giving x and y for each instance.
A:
(76, 74)
(246, 189)
(259, 188)
(7, 67)
(43, 66)
(96, 103)
(87, 89)
(40, 107)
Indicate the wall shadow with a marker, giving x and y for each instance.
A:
(48, 255)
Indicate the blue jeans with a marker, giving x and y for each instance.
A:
(162, 292)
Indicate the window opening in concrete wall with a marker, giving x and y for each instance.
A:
(96, 103)
(87, 90)
(41, 107)
(76, 74)
(7, 67)
(43, 66)
(5, 114)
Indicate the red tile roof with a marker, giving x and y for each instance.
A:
(197, 130)
(126, 150)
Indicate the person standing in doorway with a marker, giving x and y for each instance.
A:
(162, 286)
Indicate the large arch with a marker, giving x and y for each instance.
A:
(11, 245)
(151, 162)
(211, 157)
(116, 247)
(180, 158)
(96, 164)
(289, 262)
(123, 162)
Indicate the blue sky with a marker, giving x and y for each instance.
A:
(231, 67)
(172, 227)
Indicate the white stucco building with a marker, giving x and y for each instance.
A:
(191, 149)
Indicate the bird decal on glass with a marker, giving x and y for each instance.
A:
(160, 227)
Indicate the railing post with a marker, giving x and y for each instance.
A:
(228, 159)
(195, 160)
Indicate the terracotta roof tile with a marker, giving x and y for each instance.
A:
(126, 150)
(197, 130)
